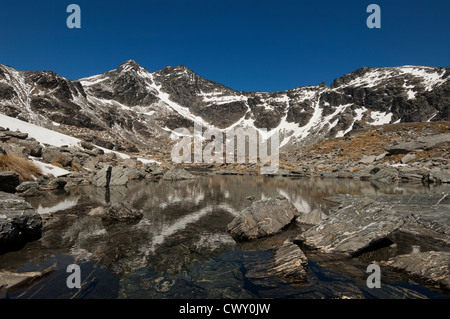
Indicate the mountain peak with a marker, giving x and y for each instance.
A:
(130, 65)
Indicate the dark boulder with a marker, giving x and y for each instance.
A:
(9, 181)
(19, 222)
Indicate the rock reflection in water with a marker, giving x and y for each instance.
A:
(180, 248)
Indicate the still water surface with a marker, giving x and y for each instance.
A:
(180, 248)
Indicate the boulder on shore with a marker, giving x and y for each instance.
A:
(263, 218)
(177, 173)
(19, 222)
(9, 181)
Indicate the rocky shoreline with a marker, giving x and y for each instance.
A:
(359, 226)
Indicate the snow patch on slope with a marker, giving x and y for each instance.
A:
(46, 136)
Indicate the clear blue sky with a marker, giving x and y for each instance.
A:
(248, 45)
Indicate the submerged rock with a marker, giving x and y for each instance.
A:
(10, 281)
(263, 218)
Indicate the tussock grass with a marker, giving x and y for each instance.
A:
(25, 168)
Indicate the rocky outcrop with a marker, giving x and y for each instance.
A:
(263, 218)
(117, 212)
(431, 266)
(363, 222)
(19, 222)
(9, 181)
(289, 263)
(177, 173)
(313, 217)
(423, 143)
(367, 95)
(116, 175)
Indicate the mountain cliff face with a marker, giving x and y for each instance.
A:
(132, 109)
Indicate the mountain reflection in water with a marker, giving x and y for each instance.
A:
(180, 248)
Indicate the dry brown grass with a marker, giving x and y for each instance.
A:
(76, 167)
(26, 169)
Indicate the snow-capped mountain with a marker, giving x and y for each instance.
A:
(130, 108)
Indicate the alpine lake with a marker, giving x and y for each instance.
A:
(181, 249)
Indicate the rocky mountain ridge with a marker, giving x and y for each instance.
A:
(131, 109)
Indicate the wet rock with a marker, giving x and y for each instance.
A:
(354, 227)
(28, 189)
(177, 173)
(311, 218)
(10, 281)
(263, 218)
(53, 184)
(361, 223)
(289, 263)
(9, 181)
(117, 212)
(19, 222)
(431, 266)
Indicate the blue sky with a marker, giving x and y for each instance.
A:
(247, 45)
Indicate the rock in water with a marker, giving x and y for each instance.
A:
(263, 218)
(10, 281)
(357, 225)
(290, 263)
(19, 222)
(9, 181)
(432, 266)
(362, 222)
(117, 212)
(177, 173)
